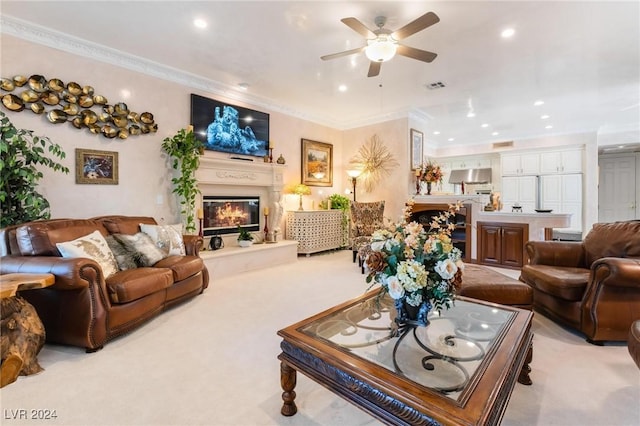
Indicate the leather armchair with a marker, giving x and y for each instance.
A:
(592, 286)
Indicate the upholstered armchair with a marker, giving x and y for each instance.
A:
(592, 286)
(365, 218)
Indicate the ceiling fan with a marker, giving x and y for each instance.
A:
(382, 44)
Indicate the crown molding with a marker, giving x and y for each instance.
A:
(77, 46)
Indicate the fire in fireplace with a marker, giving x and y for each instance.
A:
(222, 215)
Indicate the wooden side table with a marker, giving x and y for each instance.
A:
(20, 326)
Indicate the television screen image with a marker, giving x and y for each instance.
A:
(228, 128)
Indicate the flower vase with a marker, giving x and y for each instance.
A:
(411, 315)
(428, 188)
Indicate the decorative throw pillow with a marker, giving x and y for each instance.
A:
(125, 258)
(92, 246)
(146, 252)
(167, 238)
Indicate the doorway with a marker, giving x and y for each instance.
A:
(619, 187)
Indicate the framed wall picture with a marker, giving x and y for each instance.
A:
(317, 163)
(416, 149)
(96, 167)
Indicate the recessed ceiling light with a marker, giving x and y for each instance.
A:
(342, 88)
(436, 132)
(243, 86)
(471, 114)
(548, 127)
(544, 117)
(495, 133)
(538, 103)
(199, 23)
(484, 125)
(451, 139)
(508, 32)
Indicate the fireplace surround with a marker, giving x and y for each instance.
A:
(240, 179)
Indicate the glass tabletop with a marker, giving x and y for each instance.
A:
(444, 356)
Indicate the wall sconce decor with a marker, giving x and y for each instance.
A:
(75, 104)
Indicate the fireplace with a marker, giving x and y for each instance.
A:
(223, 214)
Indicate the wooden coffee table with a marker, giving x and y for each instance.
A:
(459, 370)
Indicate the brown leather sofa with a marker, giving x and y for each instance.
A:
(83, 308)
(592, 286)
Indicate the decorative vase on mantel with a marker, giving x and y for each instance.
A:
(428, 188)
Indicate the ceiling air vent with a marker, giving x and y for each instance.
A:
(436, 85)
(499, 145)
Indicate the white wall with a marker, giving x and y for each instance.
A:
(144, 173)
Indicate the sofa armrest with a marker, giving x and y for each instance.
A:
(192, 244)
(556, 253)
(70, 273)
(617, 272)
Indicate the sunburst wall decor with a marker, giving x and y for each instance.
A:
(375, 161)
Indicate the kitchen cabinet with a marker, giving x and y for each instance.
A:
(502, 244)
(520, 164)
(563, 194)
(520, 190)
(564, 161)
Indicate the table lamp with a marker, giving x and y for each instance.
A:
(301, 189)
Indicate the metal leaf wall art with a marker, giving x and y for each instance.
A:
(75, 104)
(375, 161)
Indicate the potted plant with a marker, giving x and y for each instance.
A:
(22, 152)
(245, 239)
(185, 150)
(340, 202)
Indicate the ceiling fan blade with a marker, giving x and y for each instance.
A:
(358, 27)
(416, 25)
(374, 69)
(412, 52)
(341, 54)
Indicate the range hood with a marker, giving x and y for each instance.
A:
(472, 176)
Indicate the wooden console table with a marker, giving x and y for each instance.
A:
(20, 324)
(316, 230)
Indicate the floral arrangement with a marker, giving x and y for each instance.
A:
(430, 172)
(418, 267)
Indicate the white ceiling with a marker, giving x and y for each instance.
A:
(581, 57)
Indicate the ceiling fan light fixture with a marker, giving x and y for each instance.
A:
(381, 50)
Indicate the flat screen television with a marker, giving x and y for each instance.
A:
(229, 128)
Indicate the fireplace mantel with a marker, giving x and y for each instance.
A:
(222, 171)
(222, 176)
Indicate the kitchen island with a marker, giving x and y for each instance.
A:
(539, 225)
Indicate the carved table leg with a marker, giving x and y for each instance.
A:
(524, 378)
(288, 383)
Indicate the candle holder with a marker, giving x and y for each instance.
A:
(200, 233)
(266, 227)
(271, 155)
(417, 185)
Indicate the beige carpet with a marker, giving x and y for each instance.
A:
(212, 361)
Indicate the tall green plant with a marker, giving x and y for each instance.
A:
(340, 202)
(21, 154)
(185, 150)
